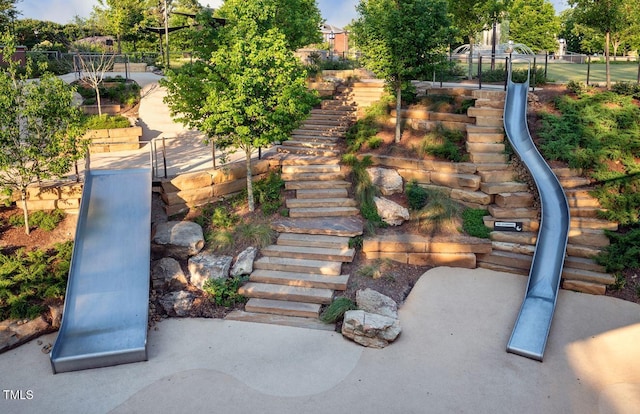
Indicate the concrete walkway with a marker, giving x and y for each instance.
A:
(450, 358)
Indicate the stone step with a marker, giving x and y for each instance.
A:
(475, 129)
(501, 268)
(323, 212)
(489, 121)
(587, 252)
(573, 182)
(338, 114)
(330, 226)
(582, 201)
(322, 193)
(281, 307)
(489, 103)
(480, 137)
(585, 212)
(310, 240)
(588, 237)
(282, 320)
(569, 261)
(337, 106)
(286, 149)
(505, 187)
(286, 293)
(584, 264)
(528, 224)
(307, 160)
(326, 120)
(507, 259)
(286, 264)
(591, 223)
(512, 213)
(488, 158)
(314, 185)
(485, 147)
(499, 176)
(566, 172)
(451, 91)
(314, 132)
(496, 166)
(453, 180)
(310, 253)
(310, 125)
(311, 176)
(584, 287)
(511, 200)
(315, 138)
(485, 112)
(583, 275)
(320, 202)
(582, 243)
(513, 247)
(296, 169)
(300, 279)
(496, 95)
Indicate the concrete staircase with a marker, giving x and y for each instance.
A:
(513, 251)
(295, 277)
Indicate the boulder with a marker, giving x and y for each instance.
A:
(168, 275)
(387, 179)
(244, 262)
(391, 212)
(177, 239)
(370, 329)
(206, 266)
(371, 301)
(177, 303)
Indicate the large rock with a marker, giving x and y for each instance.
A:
(206, 266)
(391, 212)
(244, 262)
(387, 179)
(168, 275)
(370, 329)
(177, 239)
(371, 301)
(177, 303)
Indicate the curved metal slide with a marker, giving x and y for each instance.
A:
(531, 330)
(107, 300)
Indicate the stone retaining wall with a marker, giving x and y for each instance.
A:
(60, 195)
(111, 140)
(202, 187)
(132, 67)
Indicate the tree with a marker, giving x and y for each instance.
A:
(298, 20)
(40, 129)
(470, 18)
(579, 38)
(8, 14)
(605, 16)
(250, 93)
(401, 40)
(534, 23)
(93, 68)
(120, 17)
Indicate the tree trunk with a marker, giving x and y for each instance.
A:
(607, 39)
(471, 40)
(250, 201)
(98, 102)
(398, 110)
(23, 197)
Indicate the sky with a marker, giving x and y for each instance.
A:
(335, 12)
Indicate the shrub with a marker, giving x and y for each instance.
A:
(259, 235)
(443, 143)
(626, 88)
(364, 190)
(224, 292)
(44, 220)
(268, 193)
(105, 121)
(416, 195)
(336, 310)
(576, 87)
(623, 252)
(28, 279)
(441, 213)
(473, 224)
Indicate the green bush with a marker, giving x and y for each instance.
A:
(443, 143)
(364, 190)
(336, 310)
(45, 220)
(627, 88)
(224, 292)
(28, 279)
(105, 121)
(473, 224)
(268, 193)
(416, 195)
(623, 252)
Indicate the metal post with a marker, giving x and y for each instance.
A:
(259, 153)
(506, 70)
(166, 32)
(546, 64)
(533, 88)
(479, 71)
(164, 157)
(638, 79)
(588, 68)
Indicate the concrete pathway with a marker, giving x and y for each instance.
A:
(450, 358)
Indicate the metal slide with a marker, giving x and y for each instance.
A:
(106, 305)
(531, 330)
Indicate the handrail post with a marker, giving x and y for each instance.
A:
(164, 156)
(588, 68)
(479, 71)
